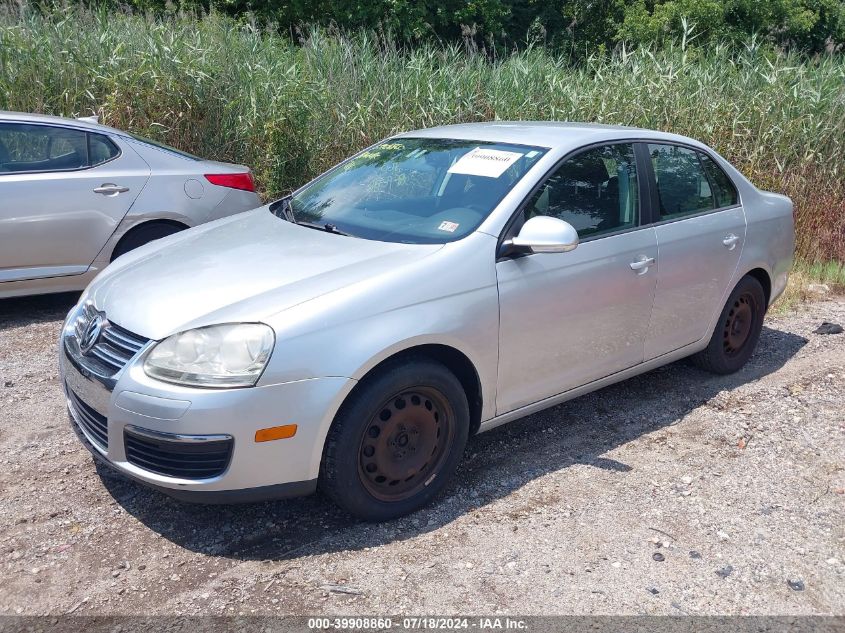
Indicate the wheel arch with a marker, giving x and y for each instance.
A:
(455, 361)
(177, 224)
(761, 275)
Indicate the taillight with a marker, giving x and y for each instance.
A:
(233, 181)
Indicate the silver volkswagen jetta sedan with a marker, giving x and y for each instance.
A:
(74, 195)
(437, 284)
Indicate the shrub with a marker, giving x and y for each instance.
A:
(228, 90)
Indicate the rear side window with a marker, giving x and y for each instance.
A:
(100, 149)
(26, 148)
(723, 189)
(45, 148)
(682, 186)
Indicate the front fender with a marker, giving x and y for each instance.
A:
(352, 349)
(348, 332)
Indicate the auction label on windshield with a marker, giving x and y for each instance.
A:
(491, 163)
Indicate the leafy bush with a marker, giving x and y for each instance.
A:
(576, 27)
(225, 89)
(806, 25)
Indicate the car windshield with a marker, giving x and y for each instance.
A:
(414, 190)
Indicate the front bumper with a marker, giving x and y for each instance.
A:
(111, 415)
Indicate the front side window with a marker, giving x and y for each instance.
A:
(596, 191)
(28, 148)
(414, 190)
(682, 185)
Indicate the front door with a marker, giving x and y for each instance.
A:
(567, 319)
(63, 192)
(700, 234)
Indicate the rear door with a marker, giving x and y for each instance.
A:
(63, 191)
(700, 229)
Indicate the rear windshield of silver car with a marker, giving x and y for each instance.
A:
(414, 190)
(163, 147)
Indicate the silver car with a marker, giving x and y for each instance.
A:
(437, 284)
(74, 195)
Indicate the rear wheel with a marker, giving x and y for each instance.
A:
(396, 441)
(737, 330)
(144, 234)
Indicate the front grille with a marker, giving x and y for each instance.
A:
(177, 458)
(93, 423)
(114, 347)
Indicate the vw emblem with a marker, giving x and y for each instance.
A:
(91, 333)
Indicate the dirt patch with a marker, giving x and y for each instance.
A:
(674, 492)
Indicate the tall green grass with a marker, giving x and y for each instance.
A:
(232, 91)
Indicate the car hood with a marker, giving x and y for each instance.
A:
(242, 268)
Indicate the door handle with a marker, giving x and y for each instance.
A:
(730, 241)
(642, 264)
(110, 189)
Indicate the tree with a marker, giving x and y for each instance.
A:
(812, 26)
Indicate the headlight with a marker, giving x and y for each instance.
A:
(232, 355)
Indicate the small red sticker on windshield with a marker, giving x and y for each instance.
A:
(448, 226)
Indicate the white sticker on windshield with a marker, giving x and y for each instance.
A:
(491, 163)
(448, 226)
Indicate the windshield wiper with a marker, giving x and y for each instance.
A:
(327, 227)
(281, 208)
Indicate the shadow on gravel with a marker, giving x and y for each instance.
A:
(496, 463)
(23, 311)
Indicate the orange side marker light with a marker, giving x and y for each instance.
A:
(275, 433)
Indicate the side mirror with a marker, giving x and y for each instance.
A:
(544, 234)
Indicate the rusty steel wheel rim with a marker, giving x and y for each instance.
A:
(738, 324)
(405, 443)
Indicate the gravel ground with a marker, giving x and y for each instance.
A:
(675, 492)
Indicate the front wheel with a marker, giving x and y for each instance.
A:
(737, 330)
(397, 441)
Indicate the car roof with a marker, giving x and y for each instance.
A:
(549, 134)
(24, 117)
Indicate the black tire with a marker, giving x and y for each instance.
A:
(144, 234)
(737, 330)
(408, 412)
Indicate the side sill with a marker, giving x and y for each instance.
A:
(551, 401)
